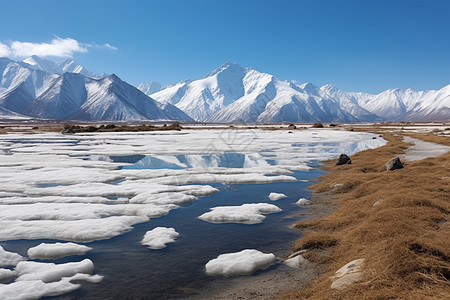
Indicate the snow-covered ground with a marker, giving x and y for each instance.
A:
(88, 187)
(421, 149)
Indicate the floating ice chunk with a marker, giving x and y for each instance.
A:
(225, 178)
(246, 213)
(276, 196)
(50, 272)
(35, 289)
(9, 258)
(6, 274)
(160, 236)
(57, 250)
(303, 201)
(245, 262)
(77, 231)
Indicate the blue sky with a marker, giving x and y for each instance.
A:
(357, 45)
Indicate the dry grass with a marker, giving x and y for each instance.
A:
(397, 221)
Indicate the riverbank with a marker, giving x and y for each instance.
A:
(397, 221)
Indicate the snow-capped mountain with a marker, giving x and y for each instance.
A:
(45, 89)
(232, 93)
(408, 105)
(60, 67)
(201, 98)
(29, 91)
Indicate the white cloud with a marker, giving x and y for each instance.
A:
(58, 47)
(4, 50)
(102, 46)
(108, 46)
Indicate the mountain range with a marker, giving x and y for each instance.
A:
(65, 90)
(42, 89)
(234, 94)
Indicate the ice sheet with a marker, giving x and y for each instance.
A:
(73, 188)
(421, 149)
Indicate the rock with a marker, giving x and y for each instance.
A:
(295, 262)
(292, 126)
(343, 159)
(68, 131)
(348, 274)
(317, 125)
(341, 283)
(394, 164)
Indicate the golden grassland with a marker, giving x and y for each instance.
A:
(396, 220)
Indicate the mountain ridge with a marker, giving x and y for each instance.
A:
(232, 93)
(29, 91)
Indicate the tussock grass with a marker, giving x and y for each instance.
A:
(397, 221)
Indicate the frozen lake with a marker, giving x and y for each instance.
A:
(107, 190)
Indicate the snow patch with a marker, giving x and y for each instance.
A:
(57, 250)
(6, 274)
(50, 272)
(303, 202)
(160, 236)
(247, 213)
(245, 262)
(9, 258)
(276, 196)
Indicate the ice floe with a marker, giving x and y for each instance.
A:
(160, 236)
(50, 272)
(35, 289)
(276, 196)
(9, 258)
(56, 250)
(251, 213)
(245, 262)
(6, 274)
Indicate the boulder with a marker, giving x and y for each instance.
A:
(343, 159)
(394, 164)
(292, 126)
(68, 130)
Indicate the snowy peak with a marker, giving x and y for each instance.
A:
(60, 67)
(27, 90)
(232, 93)
(228, 67)
(309, 88)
